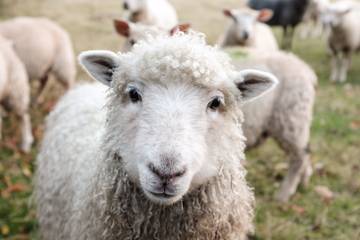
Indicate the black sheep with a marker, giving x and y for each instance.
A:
(287, 14)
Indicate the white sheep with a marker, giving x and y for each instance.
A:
(342, 18)
(285, 114)
(159, 13)
(247, 30)
(135, 32)
(163, 159)
(312, 19)
(44, 48)
(15, 90)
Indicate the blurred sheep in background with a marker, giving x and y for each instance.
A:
(44, 47)
(151, 12)
(343, 20)
(247, 30)
(15, 90)
(313, 26)
(135, 32)
(287, 14)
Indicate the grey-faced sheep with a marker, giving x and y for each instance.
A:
(163, 159)
(15, 90)
(285, 114)
(135, 32)
(44, 48)
(247, 30)
(159, 13)
(342, 18)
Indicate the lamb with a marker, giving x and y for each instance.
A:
(287, 14)
(159, 13)
(163, 159)
(137, 32)
(312, 18)
(15, 90)
(342, 18)
(285, 114)
(245, 30)
(44, 47)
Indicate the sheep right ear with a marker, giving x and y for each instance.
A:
(122, 27)
(265, 15)
(100, 65)
(228, 13)
(254, 83)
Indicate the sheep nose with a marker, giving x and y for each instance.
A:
(246, 35)
(126, 6)
(166, 177)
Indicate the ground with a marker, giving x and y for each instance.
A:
(313, 213)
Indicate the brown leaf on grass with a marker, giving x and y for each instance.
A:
(17, 187)
(355, 125)
(298, 209)
(325, 193)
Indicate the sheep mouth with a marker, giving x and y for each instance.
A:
(161, 195)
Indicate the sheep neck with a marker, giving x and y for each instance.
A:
(220, 209)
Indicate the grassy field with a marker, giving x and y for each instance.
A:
(335, 138)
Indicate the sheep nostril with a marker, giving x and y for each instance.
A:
(246, 35)
(166, 177)
(126, 6)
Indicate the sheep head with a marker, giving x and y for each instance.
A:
(244, 20)
(175, 111)
(332, 14)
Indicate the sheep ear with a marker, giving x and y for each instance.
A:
(228, 13)
(253, 83)
(184, 27)
(122, 27)
(265, 15)
(100, 65)
(343, 10)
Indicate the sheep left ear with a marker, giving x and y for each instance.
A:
(183, 27)
(100, 65)
(265, 15)
(253, 83)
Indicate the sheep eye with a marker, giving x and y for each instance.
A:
(215, 103)
(132, 42)
(134, 95)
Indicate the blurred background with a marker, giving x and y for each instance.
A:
(328, 209)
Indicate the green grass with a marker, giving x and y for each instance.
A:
(335, 137)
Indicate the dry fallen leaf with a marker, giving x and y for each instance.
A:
(298, 209)
(355, 125)
(325, 193)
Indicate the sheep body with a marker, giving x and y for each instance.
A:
(284, 114)
(44, 48)
(152, 12)
(84, 190)
(15, 90)
(342, 18)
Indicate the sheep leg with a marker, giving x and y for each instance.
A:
(299, 169)
(345, 63)
(284, 39)
(27, 137)
(335, 64)
(0, 124)
(40, 94)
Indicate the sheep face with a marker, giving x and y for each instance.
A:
(168, 123)
(332, 15)
(244, 21)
